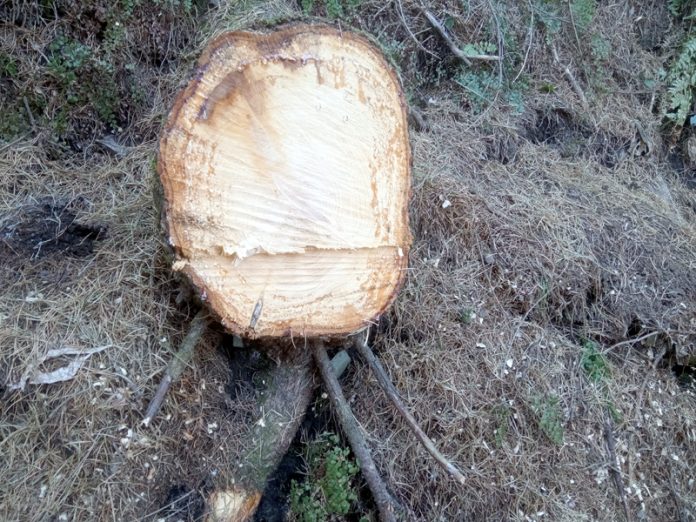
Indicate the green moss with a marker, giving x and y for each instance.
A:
(13, 122)
(501, 421)
(8, 66)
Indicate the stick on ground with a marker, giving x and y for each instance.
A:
(178, 363)
(281, 409)
(614, 468)
(570, 77)
(456, 51)
(385, 503)
(391, 392)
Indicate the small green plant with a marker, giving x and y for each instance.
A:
(552, 13)
(70, 60)
(482, 87)
(474, 49)
(685, 8)
(334, 8)
(501, 416)
(307, 6)
(583, 11)
(615, 413)
(681, 83)
(67, 57)
(593, 362)
(8, 66)
(548, 13)
(13, 122)
(601, 47)
(466, 315)
(328, 492)
(550, 417)
(680, 77)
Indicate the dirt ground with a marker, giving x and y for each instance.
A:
(546, 333)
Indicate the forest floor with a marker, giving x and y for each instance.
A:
(545, 336)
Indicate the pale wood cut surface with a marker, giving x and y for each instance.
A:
(286, 169)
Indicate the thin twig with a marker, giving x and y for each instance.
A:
(530, 37)
(393, 395)
(29, 113)
(633, 341)
(614, 467)
(501, 42)
(400, 7)
(572, 22)
(456, 51)
(571, 79)
(178, 363)
(385, 503)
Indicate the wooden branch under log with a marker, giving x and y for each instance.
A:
(386, 505)
(393, 395)
(178, 364)
(281, 411)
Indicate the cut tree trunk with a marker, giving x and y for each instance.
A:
(285, 166)
(286, 171)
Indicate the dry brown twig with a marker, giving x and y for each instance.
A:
(393, 395)
(571, 78)
(501, 41)
(178, 363)
(454, 49)
(400, 8)
(614, 466)
(386, 505)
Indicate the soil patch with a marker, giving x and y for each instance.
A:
(48, 229)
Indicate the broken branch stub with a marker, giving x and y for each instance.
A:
(286, 171)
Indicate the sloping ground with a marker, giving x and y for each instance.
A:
(549, 314)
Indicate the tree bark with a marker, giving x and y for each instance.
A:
(289, 390)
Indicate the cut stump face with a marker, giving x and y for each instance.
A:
(286, 172)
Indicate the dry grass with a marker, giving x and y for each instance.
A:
(558, 232)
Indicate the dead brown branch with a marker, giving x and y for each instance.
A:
(393, 395)
(614, 468)
(454, 49)
(178, 363)
(570, 77)
(386, 505)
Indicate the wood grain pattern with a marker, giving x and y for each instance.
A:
(286, 170)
